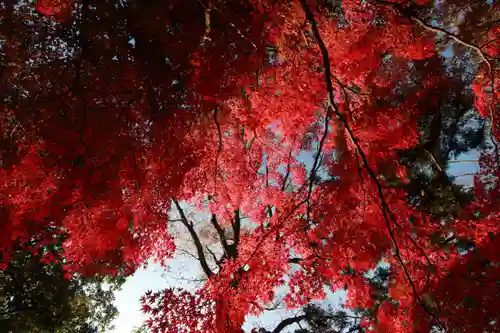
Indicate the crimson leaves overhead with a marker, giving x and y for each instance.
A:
(316, 139)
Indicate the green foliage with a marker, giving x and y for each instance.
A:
(36, 297)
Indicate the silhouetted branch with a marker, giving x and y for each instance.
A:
(199, 248)
(217, 261)
(237, 227)
(295, 260)
(287, 322)
(220, 232)
(287, 174)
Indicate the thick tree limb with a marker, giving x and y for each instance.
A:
(294, 260)
(220, 232)
(287, 322)
(237, 227)
(456, 38)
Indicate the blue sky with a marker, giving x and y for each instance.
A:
(153, 277)
(156, 277)
(127, 299)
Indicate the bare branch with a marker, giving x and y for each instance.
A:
(189, 254)
(199, 248)
(237, 227)
(462, 161)
(287, 322)
(248, 151)
(217, 261)
(283, 187)
(220, 232)
(295, 261)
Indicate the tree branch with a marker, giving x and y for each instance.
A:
(432, 28)
(217, 261)
(222, 235)
(207, 10)
(287, 322)
(316, 163)
(385, 207)
(451, 35)
(295, 261)
(199, 248)
(287, 174)
(237, 227)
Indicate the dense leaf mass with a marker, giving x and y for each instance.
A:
(36, 296)
(320, 141)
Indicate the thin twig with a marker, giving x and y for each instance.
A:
(456, 38)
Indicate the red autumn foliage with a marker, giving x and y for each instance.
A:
(57, 9)
(117, 117)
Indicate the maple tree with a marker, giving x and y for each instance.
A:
(314, 136)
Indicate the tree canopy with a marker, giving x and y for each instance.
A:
(299, 144)
(36, 297)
